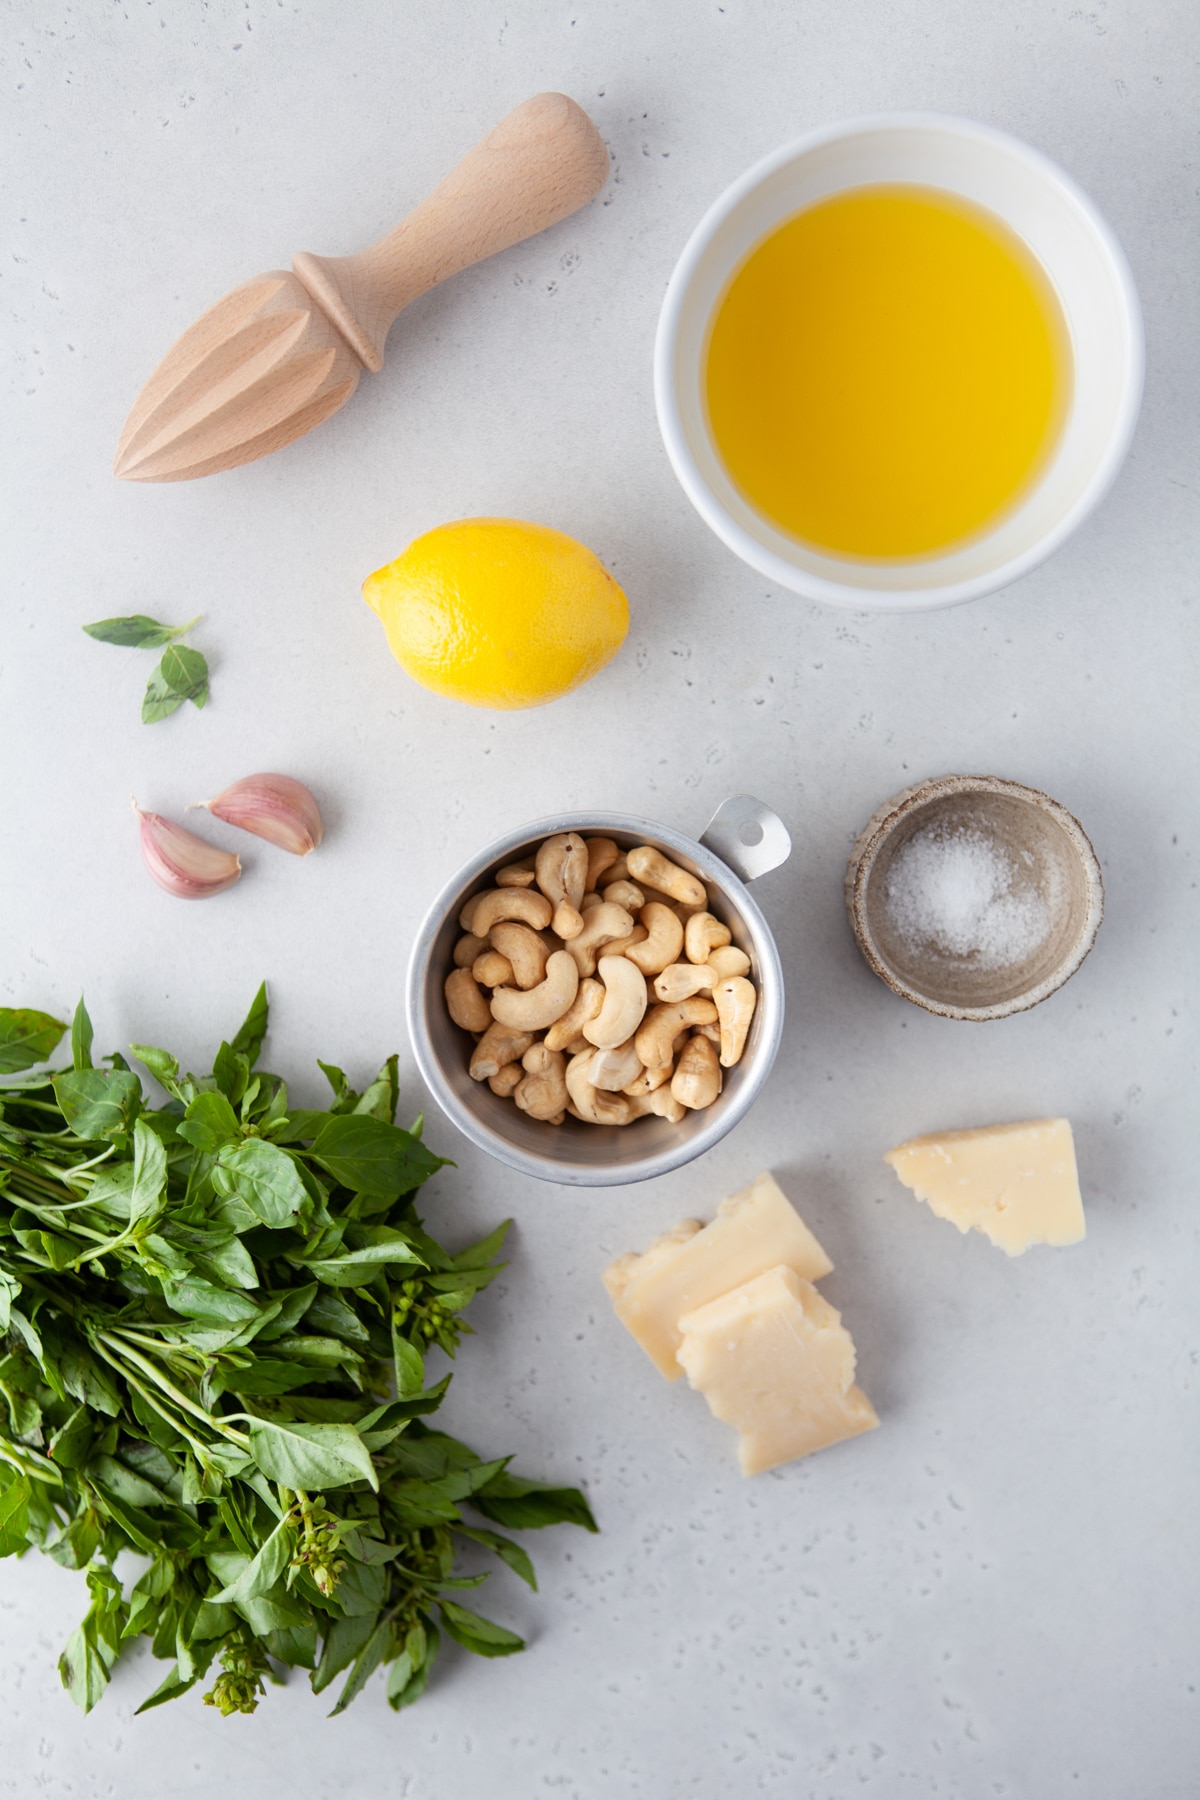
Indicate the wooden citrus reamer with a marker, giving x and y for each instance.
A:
(285, 350)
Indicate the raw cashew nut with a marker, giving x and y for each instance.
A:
(615, 1070)
(525, 950)
(492, 970)
(647, 1080)
(542, 1092)
(648, 865)
(488, 909)
(618, 871)
(467, 949)
(625, 1002)
(498, 1047)
(663, 944)
(532, 1009)
(622, 946)
(587, 1003)
(661, 1101)
(562, 866)
(603, 923)
(679, 981)
(518, 875)
(728, 961)
(662, 1025)
(734, 1000)
(590, 1104)
(697, 1078)
(711, 1032)
(627, 894)
(467, 1006)
(505, 1083)
(602, 853)
(701, 934)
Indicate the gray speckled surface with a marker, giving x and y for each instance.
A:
(993, 1595)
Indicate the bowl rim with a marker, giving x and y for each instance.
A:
(880, 827)
(771, 1003)
(778, 568)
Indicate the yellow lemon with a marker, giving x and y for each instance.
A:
(499, 613)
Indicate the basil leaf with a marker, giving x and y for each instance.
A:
(71, 1444)
(26, 1038)
(231, 1072)
(344, 1097)
(528, 1505)
(14, 1516)
(82, 1668)
(264, 1178)
(196, 1299)
(477, 1634)
(261, 1574)
(134, 631)
(81, 1037)
(227, 1260)
(248, 1038)
(409, 1366)
(210, 1123)
(365, 1665)
(479, 1255)
(161, 1064)
(295, 1645)
(149, 1172)
(409, 1675)
(372, 1156)
(311, 1456)
(185, 672)
(505, 1549)
(381, 1099)
(97, 1103)
(10, 1287)
(343, 1642)
(329, 1314)
(160, 699)
(356, 1267)
(169, 1688)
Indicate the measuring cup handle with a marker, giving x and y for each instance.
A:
(748, 836)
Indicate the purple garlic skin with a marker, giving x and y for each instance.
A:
(274, 807)
(182, 863)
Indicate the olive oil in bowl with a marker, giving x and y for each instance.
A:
(887, 373)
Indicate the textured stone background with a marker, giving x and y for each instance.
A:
(989, 1596)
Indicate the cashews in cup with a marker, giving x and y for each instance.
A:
(596, 982)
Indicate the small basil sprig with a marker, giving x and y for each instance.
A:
(215, 1317)
(181, 674)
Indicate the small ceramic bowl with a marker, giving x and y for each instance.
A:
(744, 839)
(1079, 254)
(1054, 876)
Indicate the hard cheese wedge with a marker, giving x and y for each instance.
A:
(773, 1359)
(754, 1230)
(1015, 1183)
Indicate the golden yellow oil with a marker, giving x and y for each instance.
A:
(887, 372)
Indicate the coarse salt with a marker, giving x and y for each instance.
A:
(954, 891)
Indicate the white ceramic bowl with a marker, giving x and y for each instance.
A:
(1079, 254)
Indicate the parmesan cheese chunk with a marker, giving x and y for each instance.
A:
(754, 1230)
(773, 1359)
(1015, 1183)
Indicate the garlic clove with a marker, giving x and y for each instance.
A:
(182, 863)
(273, 807)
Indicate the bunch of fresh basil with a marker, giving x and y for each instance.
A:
(215, 1317)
